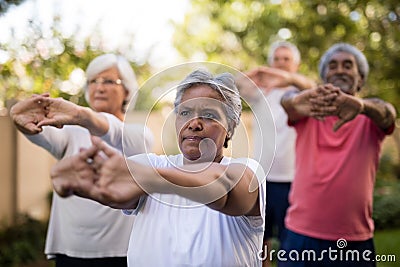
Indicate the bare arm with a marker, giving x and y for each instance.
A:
(316, 103)
(269, 78)
(62, 112)
(28, 113)
(89, 174)
(301, 82)
(347, 107)
(223, 188)
(248, 88)
(330, 100)
(379, 111)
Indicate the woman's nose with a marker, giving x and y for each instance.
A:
(195, 124)
(99, 87)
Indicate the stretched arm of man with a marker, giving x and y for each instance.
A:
(381, 112)
(301, 82)
(309, 103)
(246, 83)
(349, 106)
(276, 78)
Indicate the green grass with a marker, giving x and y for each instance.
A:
(387, 242)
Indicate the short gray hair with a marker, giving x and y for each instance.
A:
(224, 84)
(362, 63)
(290, 46)
(128, 77)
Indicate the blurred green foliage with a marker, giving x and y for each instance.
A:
(23, 242)
(238, 33)
(386, 210)
(232, 32)
(44, 63)
(6, 4)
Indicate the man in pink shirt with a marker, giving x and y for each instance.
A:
(339, 137)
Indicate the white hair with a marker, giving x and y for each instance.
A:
(128, 77)
(361, 60)
(224, 84)
(288, 45)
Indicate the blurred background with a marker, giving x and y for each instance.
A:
(45, 46)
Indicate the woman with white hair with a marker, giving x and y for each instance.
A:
(81, 232)
(197, 208)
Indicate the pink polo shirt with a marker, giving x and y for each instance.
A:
(332, 192)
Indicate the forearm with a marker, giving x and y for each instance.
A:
(301, 82)
(208, 185)
(248, 89)
(289, 105)
(225, 188)
(95, 122)
(381, 112)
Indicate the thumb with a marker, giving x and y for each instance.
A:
(50, 122)
(266, 89)
(108, 150)
(47, 122)
(251, 73)
(338, 124)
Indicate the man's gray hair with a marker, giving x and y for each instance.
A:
(362, 63)
(128, 77)
(290, 46)
(224, 84)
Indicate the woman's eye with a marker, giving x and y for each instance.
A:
(108, 82)
(209, 116)
(184, 113)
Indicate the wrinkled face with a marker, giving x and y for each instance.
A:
(284, 60)
(106, 92)
(342, 71)
(201, 124)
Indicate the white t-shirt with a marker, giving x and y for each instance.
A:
(283, 164)
(170, 230)
(80, 227)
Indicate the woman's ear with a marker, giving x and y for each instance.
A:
(125, 101)
(227, 138)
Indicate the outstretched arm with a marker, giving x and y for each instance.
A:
(230, 189)
(347, 107)
(104, 178)
(269, 78)
(28, 113)
(381, 112)
(61, 112)
(309, 103)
